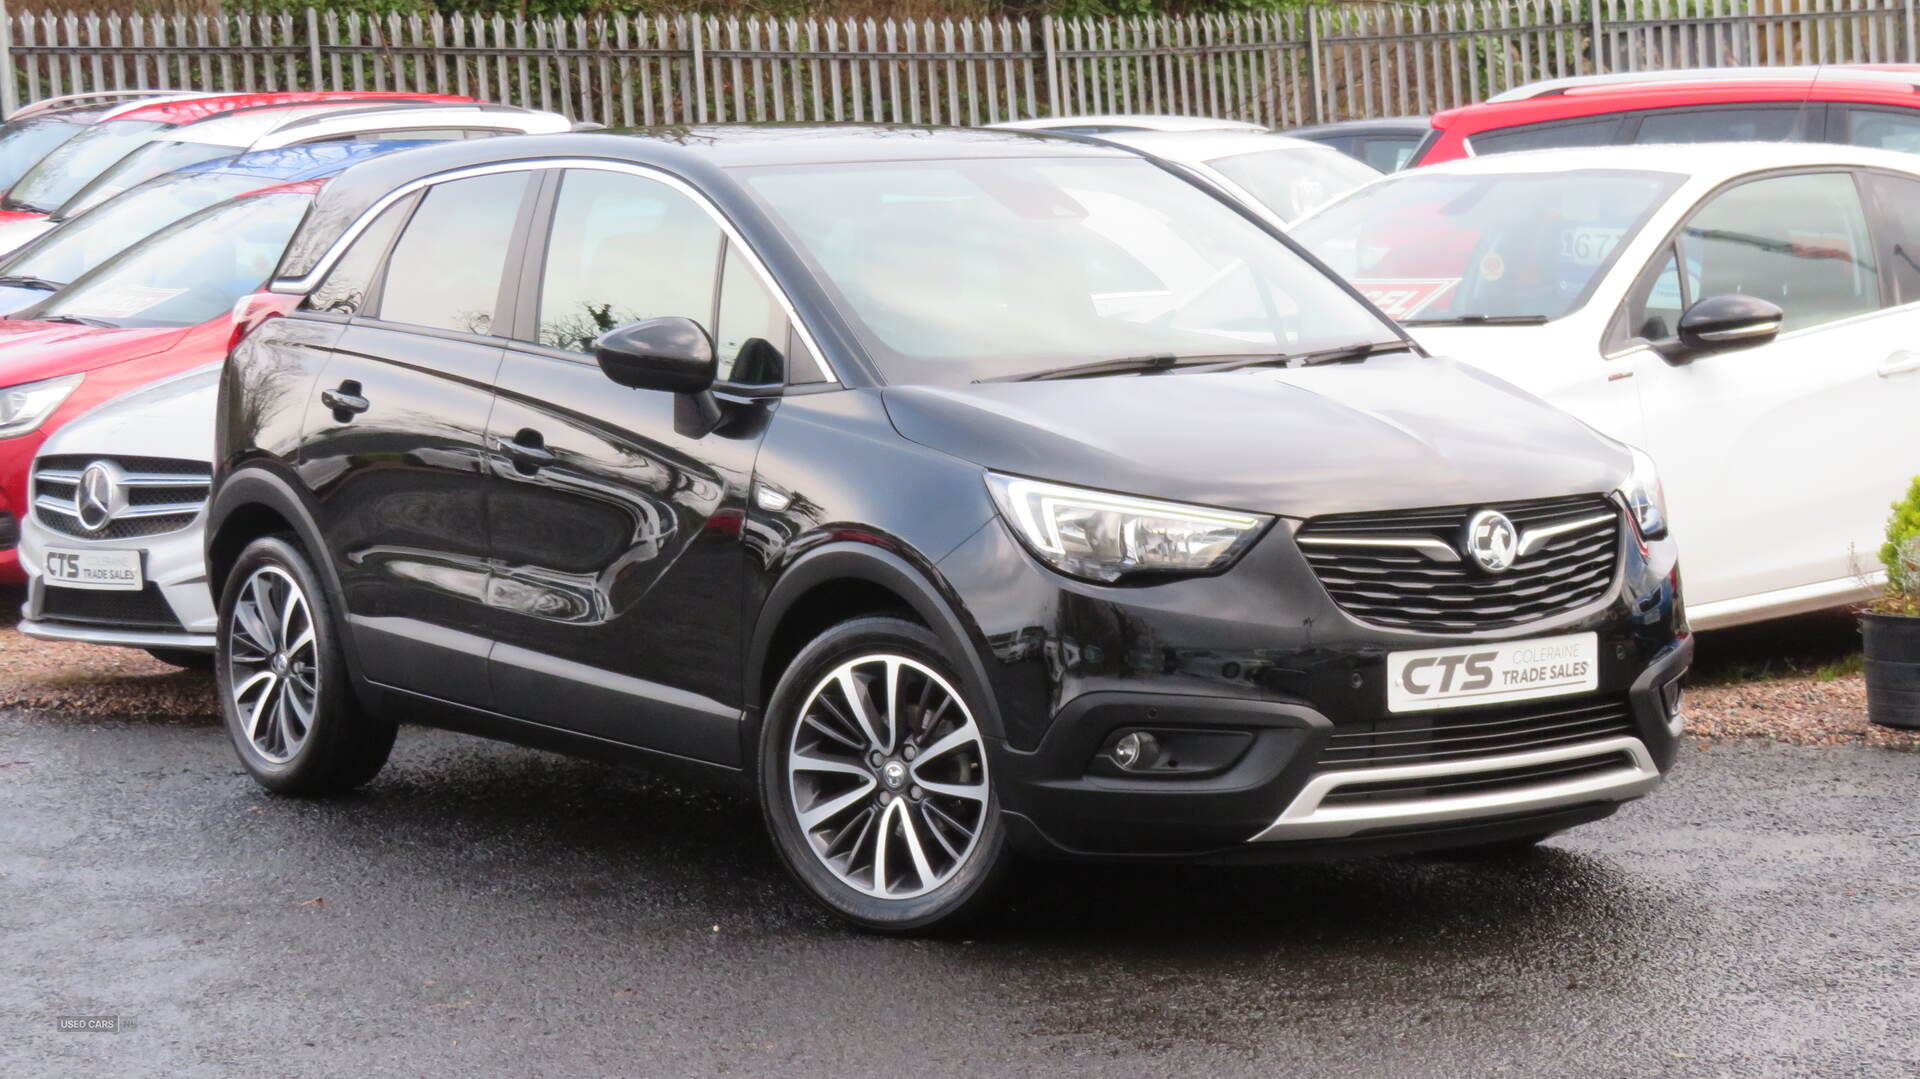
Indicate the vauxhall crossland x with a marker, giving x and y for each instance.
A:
(966, 494)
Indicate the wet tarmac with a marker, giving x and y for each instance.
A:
(487, 910)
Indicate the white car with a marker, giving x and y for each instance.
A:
(1747, 313)
(1116, 122)
(272, 128)
(1277, 176)
(113, 547)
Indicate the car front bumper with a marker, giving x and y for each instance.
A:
(173, 611)
(1262, 654)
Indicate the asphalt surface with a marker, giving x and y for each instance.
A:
(487, 910)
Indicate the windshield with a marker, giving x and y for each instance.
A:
(24, 142)
(1291, 181)
(1435, 248)
(82, 157)
(94, 237)
(192, 271)
(156, 158)
(953, 271)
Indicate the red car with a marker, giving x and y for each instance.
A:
(162, 306)
(1862, 106)
(75, 162)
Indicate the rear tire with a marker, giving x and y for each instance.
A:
(875, 781)
(289, 707)
(184, 658)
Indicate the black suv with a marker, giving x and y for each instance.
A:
(965, 493)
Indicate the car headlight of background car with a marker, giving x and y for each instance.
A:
(1099, 536)
(1644, 497)
(25, 407)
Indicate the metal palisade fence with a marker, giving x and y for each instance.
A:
(1283, 69)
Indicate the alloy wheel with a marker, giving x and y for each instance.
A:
(887, 776)
(273, 664)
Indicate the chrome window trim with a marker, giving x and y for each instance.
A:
(300, 286)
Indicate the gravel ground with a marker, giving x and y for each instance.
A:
(1795, 705)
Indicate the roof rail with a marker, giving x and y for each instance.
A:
(49, 104)
(1553, 87)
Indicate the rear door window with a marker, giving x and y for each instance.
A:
(1560, 134)
(1782, 123)
(1885, 129)
(1899, 235)
(445, 271)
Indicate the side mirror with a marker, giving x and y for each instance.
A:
(671, 354)
(1723, 323)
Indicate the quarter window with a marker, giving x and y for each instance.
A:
(445, 271)
(1797, 241)
(751, 328)
(624, 248)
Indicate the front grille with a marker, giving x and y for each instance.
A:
(1404, 790)
(145, 609)
(1475, 732)
(163, 495)
(1405, 570)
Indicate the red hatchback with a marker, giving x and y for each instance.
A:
(75, 162)
(1859, 106)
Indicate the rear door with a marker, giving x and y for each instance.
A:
(397, 449)
(1770, 456)
(616, 514)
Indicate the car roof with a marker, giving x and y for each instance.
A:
(702, 153)
(1139, 120)
(192, 110)
(1799, 74)
(302, 162)
(320, 120)
(1724, 161)
(1608, 98)
(1207, 145)
(1416, 125)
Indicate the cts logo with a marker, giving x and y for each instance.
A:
(1437, 674)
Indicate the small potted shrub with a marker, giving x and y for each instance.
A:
(1891, 624)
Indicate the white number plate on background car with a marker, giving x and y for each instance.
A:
(1492, 673)
(106, 571)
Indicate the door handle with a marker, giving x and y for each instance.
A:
(527, 449)
(1898, 363)
(345, 402)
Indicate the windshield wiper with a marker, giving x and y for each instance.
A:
(1339, 354)
(22, 280)
(1124, 365)
(80, 320)
(1479, 320)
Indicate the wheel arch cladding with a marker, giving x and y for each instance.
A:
(842, 581)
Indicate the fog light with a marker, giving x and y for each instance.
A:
(1136, 751)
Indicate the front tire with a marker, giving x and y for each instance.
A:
(289, 707)
(875, 781)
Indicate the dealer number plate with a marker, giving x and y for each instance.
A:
(1492, 673)
(103, 571)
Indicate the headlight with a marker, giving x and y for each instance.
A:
(1103, 537)
(26, 406)
(1645, 498)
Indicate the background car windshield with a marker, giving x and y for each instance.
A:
(192, 271)
(156, 158)
(1435, 247)
(1292, 181)
(68, 168)
(92, 238)
(951, 271)
(24, 142)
